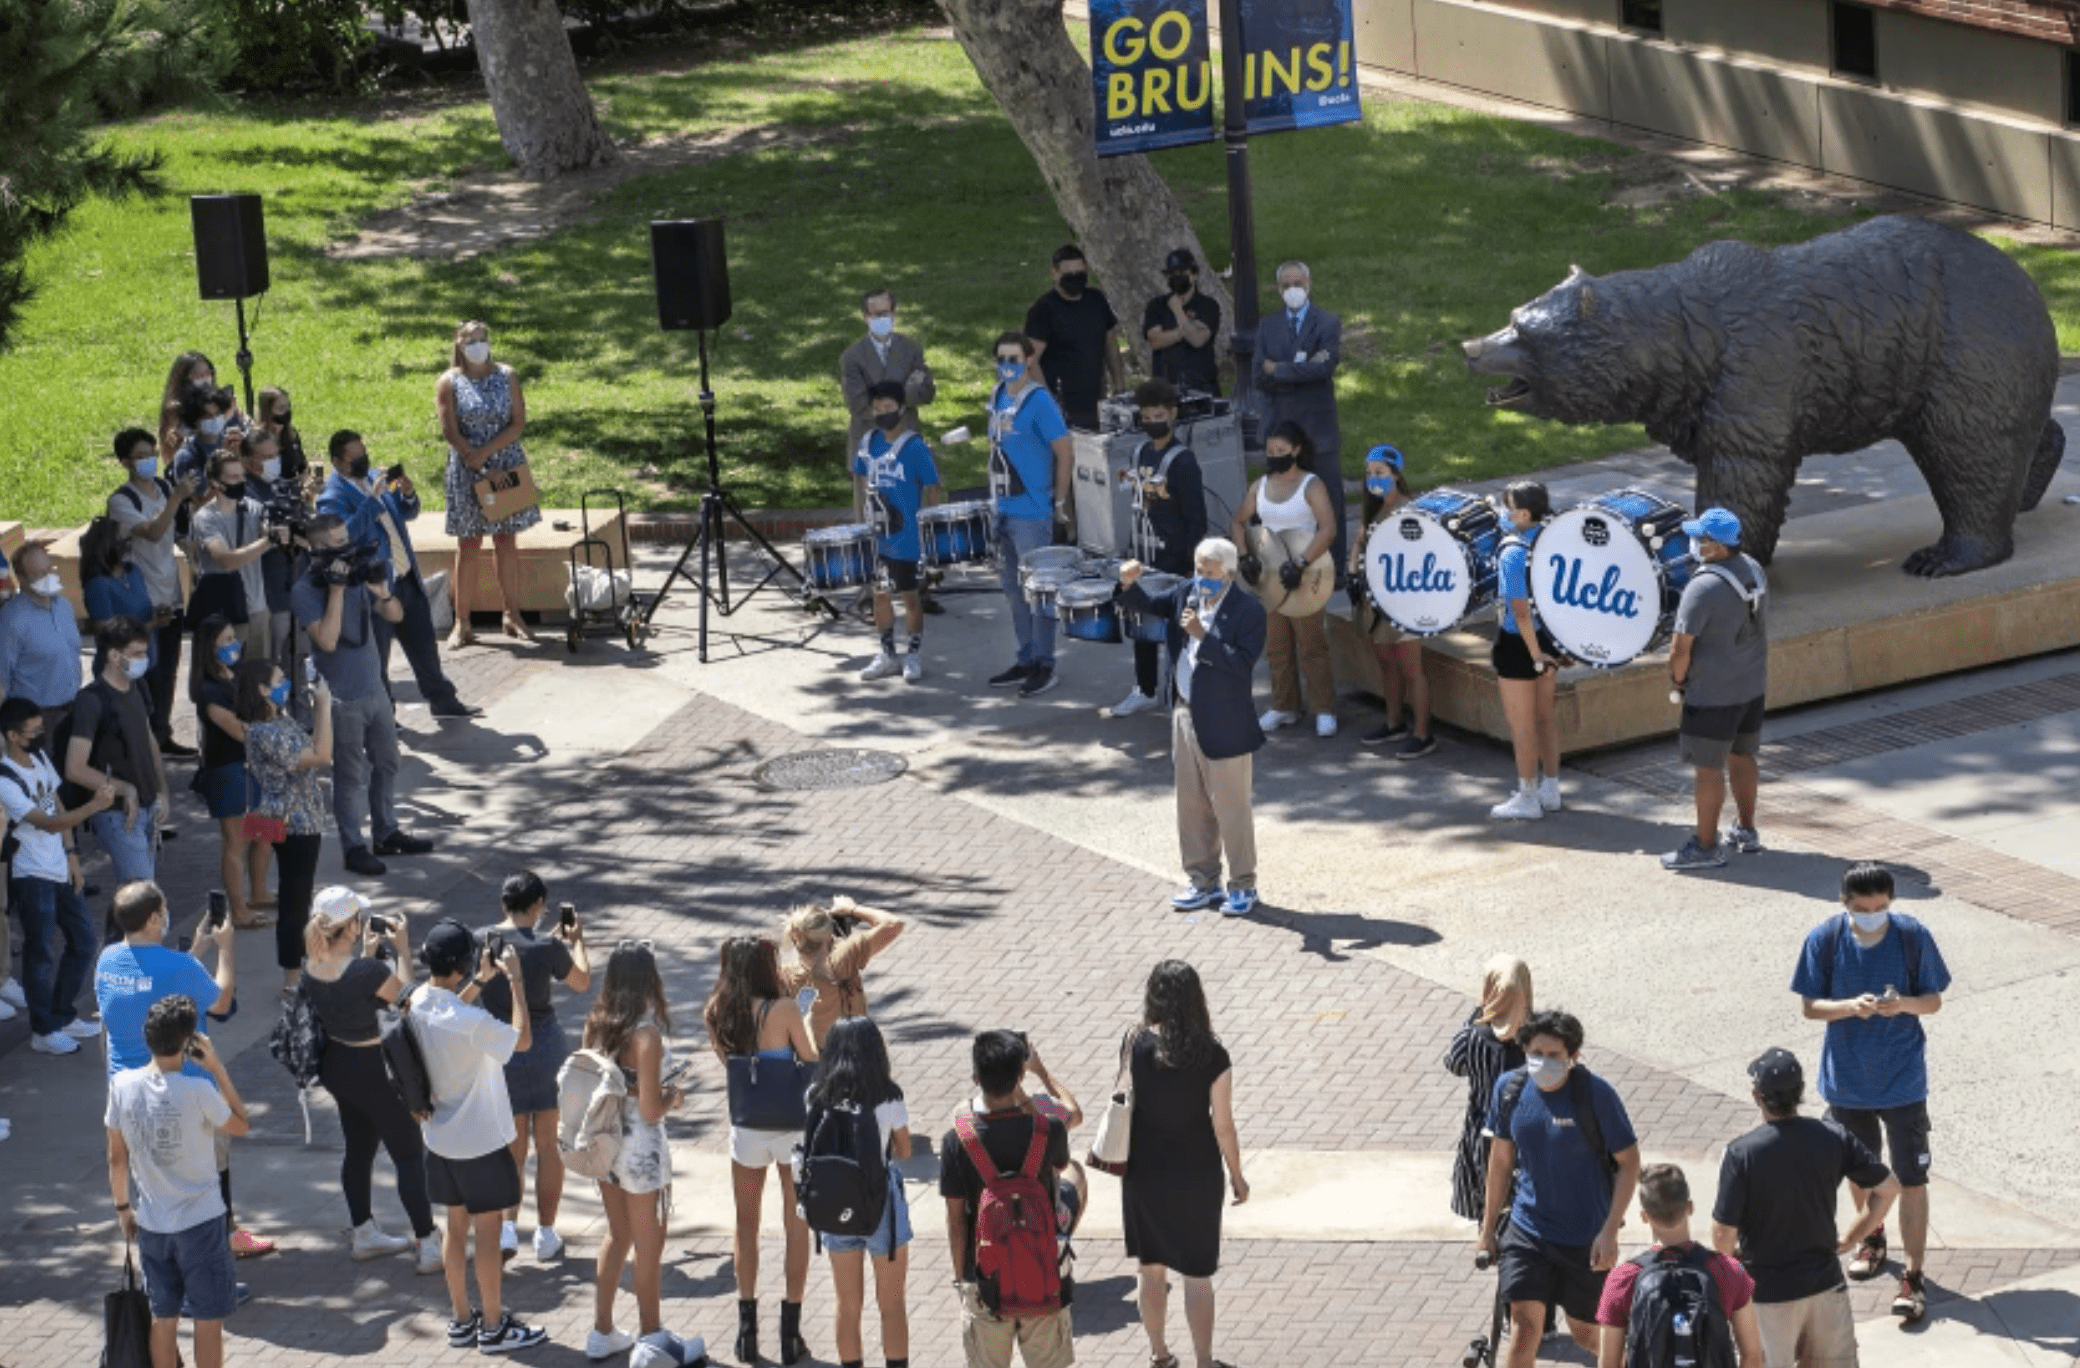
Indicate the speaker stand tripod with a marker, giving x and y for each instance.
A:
(245, 353)
(717, 510)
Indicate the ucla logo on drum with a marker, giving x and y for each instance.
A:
(1598, 596)
(1427, 578)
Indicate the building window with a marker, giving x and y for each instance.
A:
(2073, 87)
(1855, 40)
(1640, 14)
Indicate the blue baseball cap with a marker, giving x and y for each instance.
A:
(1715, 524)
(1386, 455)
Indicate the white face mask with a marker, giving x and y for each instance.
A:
(1294, 296)
(50, 586)
(881, 325)
(1546, 1072)
(271, 469)
(476, 353)
(137, 666)
(1870, 923)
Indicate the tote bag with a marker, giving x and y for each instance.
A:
(768, 1094)
(1109, 1148)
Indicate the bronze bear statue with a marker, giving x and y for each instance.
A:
(1745, 360)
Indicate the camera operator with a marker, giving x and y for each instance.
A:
(375, 510)
(230, 536)
(342, 598)
(286, 517)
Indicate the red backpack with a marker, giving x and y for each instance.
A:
(1014, 1227)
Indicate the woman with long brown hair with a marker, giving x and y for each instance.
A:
(1483, 1050)
(749, 1013)
(189, 368)
(220, 773)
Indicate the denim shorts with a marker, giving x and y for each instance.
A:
(224, 790)
(531, 1074)
(189, 1273)
(893, 1232)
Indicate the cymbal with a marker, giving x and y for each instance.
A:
(1317, 581)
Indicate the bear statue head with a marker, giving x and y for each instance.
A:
(1569, 355)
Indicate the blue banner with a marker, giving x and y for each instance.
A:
(1152, 76)
(1300, 64)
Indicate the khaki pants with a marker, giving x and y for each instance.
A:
(1213, 809)
(987, 1338)
(1812, 1332)
(1308, 638)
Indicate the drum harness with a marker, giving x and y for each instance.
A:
(1147, 542)
(1753, 598)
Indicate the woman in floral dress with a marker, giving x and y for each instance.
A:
(482, 416)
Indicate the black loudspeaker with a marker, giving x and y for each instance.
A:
(230, 246)
(692, 270)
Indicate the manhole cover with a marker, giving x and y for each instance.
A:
(831, 769)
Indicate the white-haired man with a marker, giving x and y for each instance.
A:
(1216, 637)
(1298, 347)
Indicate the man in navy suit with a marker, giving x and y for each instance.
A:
(1216, 636)
(1298, 348)
(377, 511)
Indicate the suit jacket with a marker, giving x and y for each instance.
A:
(862, 366)
(1304, 391)
(355, 506)
(1224, 713)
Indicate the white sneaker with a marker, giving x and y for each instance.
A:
(1135, 702)
(11, 993)
(882, 667)
(598, 1346)
(430, 1256)
(1549, 794)
(508, 1241)
(7, 1012)
(547, 1244)
(1522, 806)
(6, 1128)
(913, 667)
(1273, 719)
(371, 1243)
(1325, 724)
(79, 1028)
(56, 1043)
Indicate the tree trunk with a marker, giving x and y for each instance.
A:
(545, 118)
(1123, 214)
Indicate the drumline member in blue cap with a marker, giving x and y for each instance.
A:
(900, 480)
(1401, 681)
(1527, 663)
(1719, 662)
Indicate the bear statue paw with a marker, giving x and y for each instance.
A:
(1955, 554)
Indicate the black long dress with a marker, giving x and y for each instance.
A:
(1479, 1058)
(1175, 1188)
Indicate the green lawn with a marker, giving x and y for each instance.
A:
(1424, 224)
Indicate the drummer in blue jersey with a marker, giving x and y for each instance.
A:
(899, 478)
(1029, 472)
(1406, 732)
(1169, 518)
(1527, 663)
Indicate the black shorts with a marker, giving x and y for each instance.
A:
(897, 576)
(1512, 658)
(489, 1182)
(1707, 735)
(1535, 1270)
(1906, 1137)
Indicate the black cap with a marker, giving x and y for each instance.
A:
(449, 948)
(1775, 1073)
(1181, 260)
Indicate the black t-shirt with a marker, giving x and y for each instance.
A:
(1074, 331)
(1181, 363)
(545, 962)
(348, 1005)
(219, 747)
(1777, 1187)
(1005, 1137)
(125, 748)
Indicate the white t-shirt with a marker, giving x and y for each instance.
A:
(170, 1122)
(162, 575)
(466, 1049)
(42, 855)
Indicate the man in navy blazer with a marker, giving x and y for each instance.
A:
(377, 512)
(1299, 346)
(1216, 637)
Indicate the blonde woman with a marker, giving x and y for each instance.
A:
(828, 949)
(482, 415)
(1483, 1050)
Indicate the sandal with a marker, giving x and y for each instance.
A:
(462, 635)
(517, 627)
(262, 904)
(258, 922)
(1166, 1361)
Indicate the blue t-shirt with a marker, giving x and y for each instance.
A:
(1022, 434)
(1513, 572)
(123, 595)
(129, 980)
(1876, 1061)
(896, 482)
(1563, 1194)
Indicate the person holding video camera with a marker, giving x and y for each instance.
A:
(375, 509)
(340, 601)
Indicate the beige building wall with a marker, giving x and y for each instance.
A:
(1976, 68)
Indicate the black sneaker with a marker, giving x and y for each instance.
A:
(359, 861)
(1015, 675)
(462, 1334)
(174, 750)
(930, 603)
(402, 842)
(508, 1335)
(1385, 732)
(1413, 748)
(1038, 681)
(455, 707)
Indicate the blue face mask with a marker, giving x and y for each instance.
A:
(881, 325)
(1382, 485)
(279, 694)
(1209, 586)
(147, 469)
(1009, 371)
(229, 652)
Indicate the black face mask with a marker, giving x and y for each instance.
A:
(1279, 465)
(282, 418)
(1074, 281)
(34, 744)
(890, 421)
(1180, 284)
(234, 492)
(1154, 429)
(358, 467)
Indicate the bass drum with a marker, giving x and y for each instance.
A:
(1607, 574)
(1317, 581)
(1431, 565)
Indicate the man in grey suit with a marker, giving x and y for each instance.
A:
(883, 354)
(1298, 348)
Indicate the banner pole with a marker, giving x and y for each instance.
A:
(1242, 243)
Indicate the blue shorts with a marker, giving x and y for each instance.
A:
(189, 1273)
(893, 1232)
(224, 790)
(531, 1073)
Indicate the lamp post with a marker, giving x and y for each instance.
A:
(1242, 243)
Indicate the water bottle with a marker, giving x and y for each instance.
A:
(1685, 1346)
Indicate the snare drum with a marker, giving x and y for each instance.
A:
(1087, 609)
(1431, 565)
(1140, 624)
(1607, 575)
(1043, 585)
(840, 557)
(1048, 558)
(955, 533)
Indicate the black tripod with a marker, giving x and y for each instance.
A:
(716, 505)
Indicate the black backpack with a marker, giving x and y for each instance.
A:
(1677, 1320)
(404, 1059)
(1579, 1088)
(10, 844)
(841, 1172)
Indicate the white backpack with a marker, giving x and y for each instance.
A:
(589, 1094)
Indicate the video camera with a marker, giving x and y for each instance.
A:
(285, 508)
(354, 563)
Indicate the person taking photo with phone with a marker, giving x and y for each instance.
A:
(828, 950)
(288, 811)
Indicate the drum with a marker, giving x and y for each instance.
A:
(955, 533)
(1141, 625)
(1048, 558)
(1607, 574)
(1044, 584)
(1087, 610)
(1431, 565)
(1317, 581)
(840, 557)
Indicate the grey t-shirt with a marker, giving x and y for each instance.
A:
(235, 527)
(1729, 661)
(353, 668)
(170, 1121)
(131, 508)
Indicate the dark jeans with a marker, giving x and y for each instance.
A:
(52, 981)
(415, 633)
(165, 665)
(1147, 663)
(296, 866)
(370, 1114)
